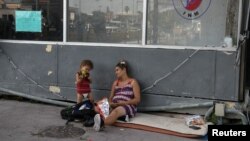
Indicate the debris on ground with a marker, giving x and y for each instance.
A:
(194, 120)
(68, 131)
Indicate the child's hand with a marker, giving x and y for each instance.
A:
(78, 78)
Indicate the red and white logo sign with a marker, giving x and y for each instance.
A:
(191, 9)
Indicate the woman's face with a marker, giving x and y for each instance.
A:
(119, 72)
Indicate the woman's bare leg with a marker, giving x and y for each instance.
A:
(114, 115)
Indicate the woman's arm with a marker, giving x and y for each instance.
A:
(112, 93)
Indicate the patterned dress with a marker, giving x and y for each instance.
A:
(125, 93)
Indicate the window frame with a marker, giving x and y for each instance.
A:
(143, 44)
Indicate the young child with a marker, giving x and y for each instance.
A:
(83, 81)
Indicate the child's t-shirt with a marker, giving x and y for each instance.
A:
(83, 86)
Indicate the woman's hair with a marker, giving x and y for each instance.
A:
(123, 65)
(87, 63)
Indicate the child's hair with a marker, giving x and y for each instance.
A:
(123, 65)
(87, 63)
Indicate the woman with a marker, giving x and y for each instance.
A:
(125, 96)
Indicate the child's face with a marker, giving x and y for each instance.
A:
(85, 68)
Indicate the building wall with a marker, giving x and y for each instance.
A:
(208, 75)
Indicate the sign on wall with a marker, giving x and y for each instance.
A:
(28, 21)
(191, 9)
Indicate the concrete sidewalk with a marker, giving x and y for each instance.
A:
(21, 121)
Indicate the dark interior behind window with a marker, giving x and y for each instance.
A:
(51, 19)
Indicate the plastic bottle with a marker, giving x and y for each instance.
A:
(228, 41)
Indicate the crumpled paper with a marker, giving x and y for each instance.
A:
(194, 120)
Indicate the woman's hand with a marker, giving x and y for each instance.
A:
(113, 105)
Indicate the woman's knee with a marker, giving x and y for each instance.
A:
(114, 115)
(119, 111)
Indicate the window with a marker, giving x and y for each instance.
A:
(40, 20)
(212, 23)
(192, 22)
(106, 21)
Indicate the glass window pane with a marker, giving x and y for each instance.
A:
(109, 21)
(40, 20)
(192, 22)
